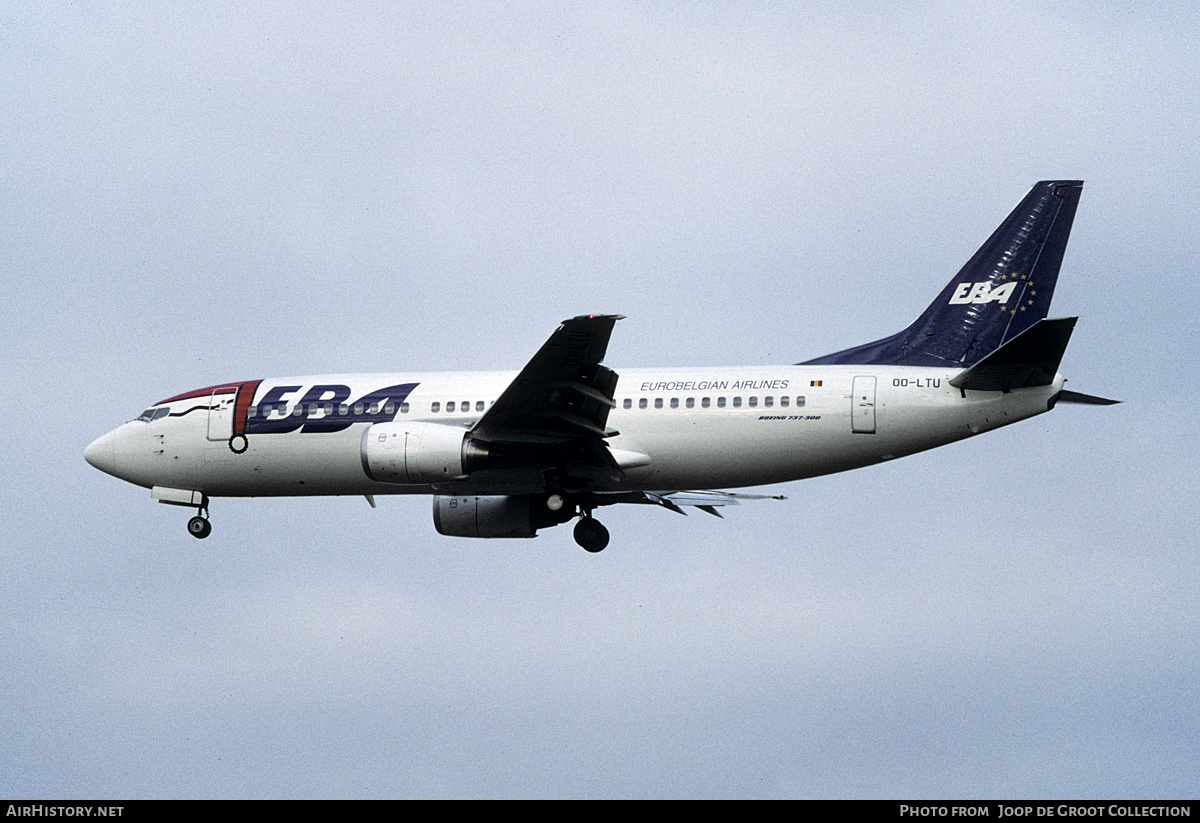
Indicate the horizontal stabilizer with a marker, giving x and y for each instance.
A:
(1029, 359)
(1084, 399)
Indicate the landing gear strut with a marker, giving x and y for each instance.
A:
(591, 534)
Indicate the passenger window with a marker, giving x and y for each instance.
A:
(720, 402)
(768, 401)
(704, 402)
(358, 408)
(374, 409)
(435, 407)
(737, 402)
(658, 402)
(343, 409)
(674, 402)
(404, 408)
(478, 405)
(389, 408)
(753, 402)
(642, 403)
(783, 401)
(628, 404)
(691, 403)
(799, 402)
(450, 406)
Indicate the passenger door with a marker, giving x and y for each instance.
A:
(862, 405)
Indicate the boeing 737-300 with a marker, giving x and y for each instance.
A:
(505, 454)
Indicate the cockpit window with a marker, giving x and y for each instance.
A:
(154, 414)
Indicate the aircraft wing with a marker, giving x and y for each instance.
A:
(707, 500)
(563, 394)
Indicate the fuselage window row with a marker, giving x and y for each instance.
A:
(706, 402)
(323, 409)
(451, 406)
(327, 409)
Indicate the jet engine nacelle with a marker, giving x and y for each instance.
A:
(488, 516)
(518, 515)
(419, 453)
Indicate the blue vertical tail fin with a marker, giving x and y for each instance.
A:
(1004, 289)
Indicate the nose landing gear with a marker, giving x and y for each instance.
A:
(198, 526)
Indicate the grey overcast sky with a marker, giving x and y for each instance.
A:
(202, 192)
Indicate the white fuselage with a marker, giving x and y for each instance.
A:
(678, 428)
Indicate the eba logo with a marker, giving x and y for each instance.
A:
(982, 293)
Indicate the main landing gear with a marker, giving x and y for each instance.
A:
(591, 534)
(561, 506)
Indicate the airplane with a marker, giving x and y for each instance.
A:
(506, 454)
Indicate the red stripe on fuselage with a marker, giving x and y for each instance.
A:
(244, 389)
(245, 397)
(207, 391)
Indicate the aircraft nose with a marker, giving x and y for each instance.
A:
(102, 454)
